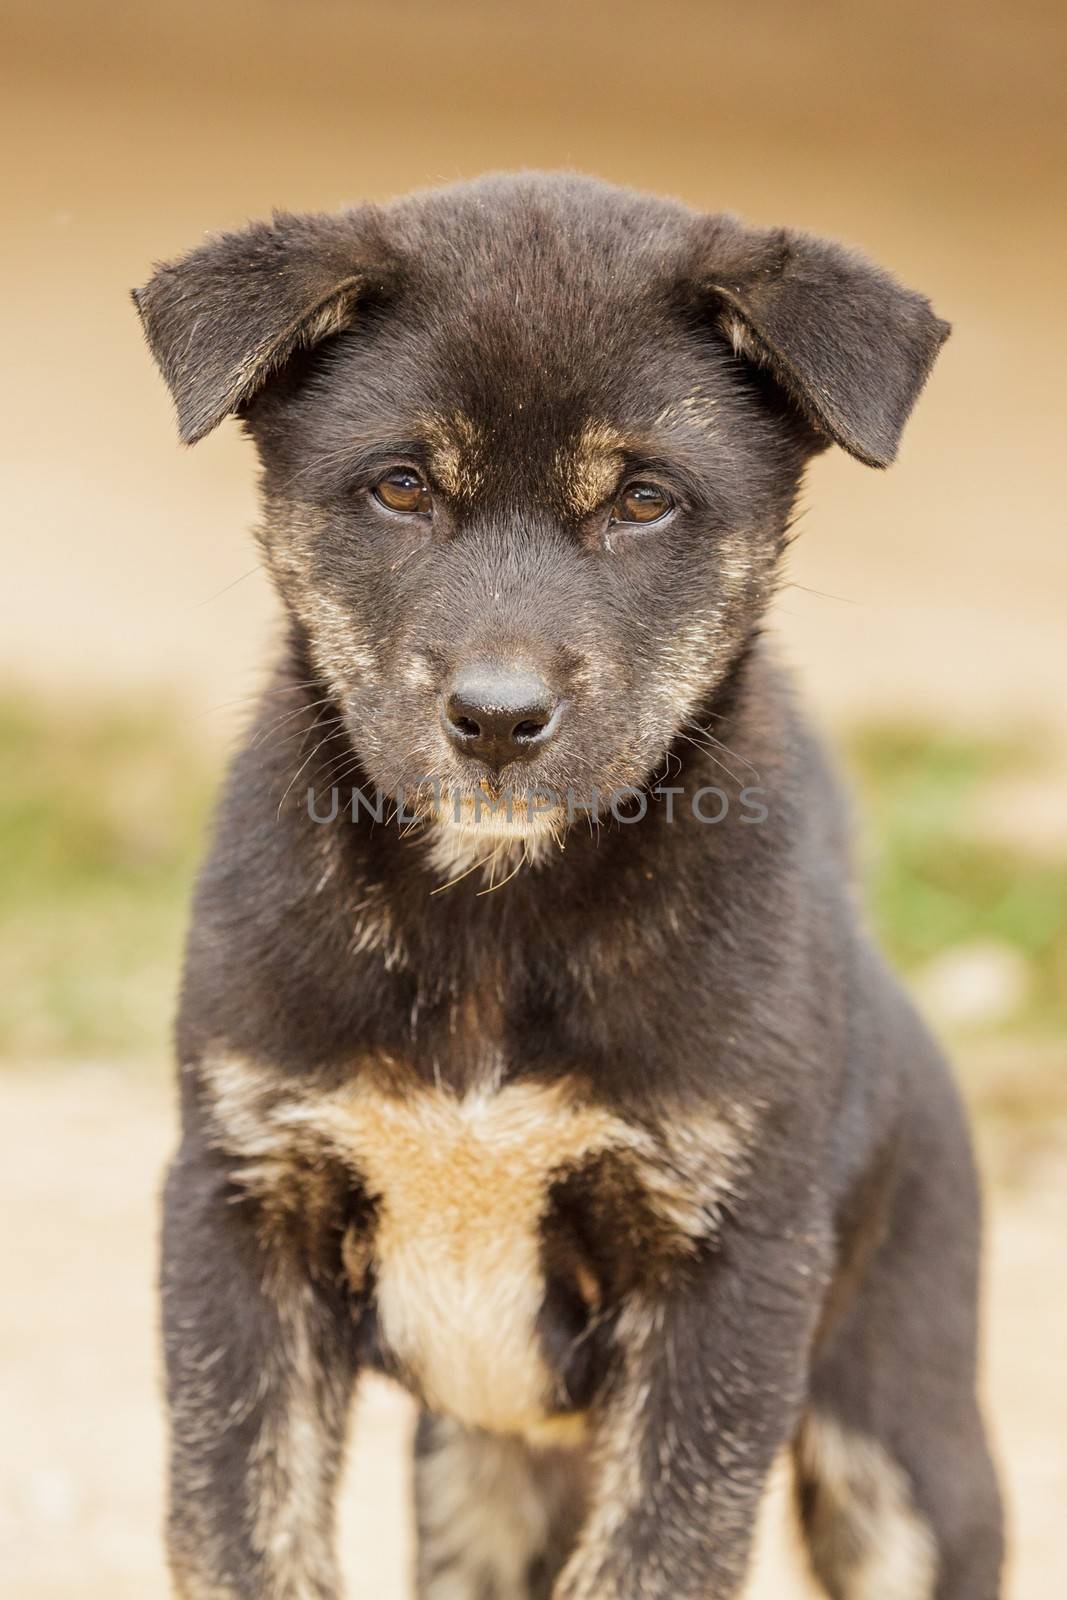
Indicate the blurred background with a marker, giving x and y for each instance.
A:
(925, 616)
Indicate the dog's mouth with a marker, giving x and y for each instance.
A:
(493, 811)
(427, 787)
(488, 829)
(526, 801)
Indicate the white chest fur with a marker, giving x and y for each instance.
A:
(459, 1185)
(462, 1186)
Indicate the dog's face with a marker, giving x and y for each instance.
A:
(530, 448)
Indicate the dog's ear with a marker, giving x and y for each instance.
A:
(848, 344)
(223, 319)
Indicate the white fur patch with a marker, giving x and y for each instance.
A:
(291, 1471)
(866, 1487)
(483, 1515)
(460, 1185)
(494, 853)
(739, 336)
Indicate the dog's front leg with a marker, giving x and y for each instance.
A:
(711, 1378)
(260, 1365)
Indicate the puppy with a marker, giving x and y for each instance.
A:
(532, 1049)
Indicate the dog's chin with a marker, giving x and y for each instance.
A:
(467, 834)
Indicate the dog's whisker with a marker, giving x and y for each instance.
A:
(441, 887)
(701, 745)
(259, 695)
(266, 733)
(520, 863)
(228, 586)
(720, 744)
(303, 765)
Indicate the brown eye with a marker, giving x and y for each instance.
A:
(642, 502)
(404, 490)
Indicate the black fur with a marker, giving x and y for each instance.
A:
(529, 345)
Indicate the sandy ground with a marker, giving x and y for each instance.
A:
(80, 1480)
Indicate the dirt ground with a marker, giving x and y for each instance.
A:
(80, 1492)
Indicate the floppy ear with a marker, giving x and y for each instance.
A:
(842, 338)
(225, 317)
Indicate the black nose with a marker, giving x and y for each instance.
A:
(499, 714)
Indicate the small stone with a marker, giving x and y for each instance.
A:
(975, 984)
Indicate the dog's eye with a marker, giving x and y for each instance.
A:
(404, 490)
(642, 502)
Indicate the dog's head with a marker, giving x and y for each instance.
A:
(530, 447)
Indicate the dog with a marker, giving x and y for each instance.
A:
(564, 1084)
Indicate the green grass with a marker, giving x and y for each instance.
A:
(102, 819)
(936, 880)
(101, 816)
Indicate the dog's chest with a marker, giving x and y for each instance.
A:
(457, 1246)
(461, 1188)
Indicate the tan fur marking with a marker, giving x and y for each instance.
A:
(187, 1586)
(455, 446)
(688, 661)
(590, 470)
(860, 1483)
(739, 335)
(587, 1286)
(566, 1430)
(460, 1184)
(460, 1284)
(357, 1256)
(697, 410)
(340, 652)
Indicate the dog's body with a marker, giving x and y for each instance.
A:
(639, 1167)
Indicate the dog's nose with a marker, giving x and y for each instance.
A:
(498, 714)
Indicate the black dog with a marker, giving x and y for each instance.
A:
(640, 1167)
